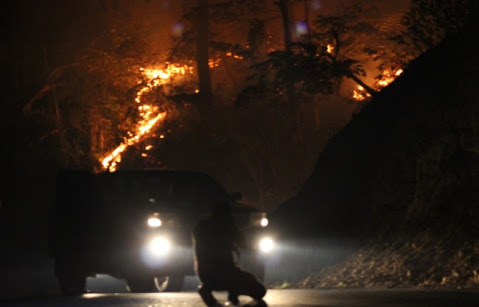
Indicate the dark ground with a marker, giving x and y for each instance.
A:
(283, 298)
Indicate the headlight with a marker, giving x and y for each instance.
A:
(258, 219)
(159, 246)
(266, 245)
(154, 222)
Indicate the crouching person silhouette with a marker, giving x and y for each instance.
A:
(215, 240)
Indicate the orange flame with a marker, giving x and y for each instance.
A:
(235, 56)
(213, 63)
(387, 77)
(330, 49)
(150, 115)
(155, 74)
(148, 121)
(360, 94)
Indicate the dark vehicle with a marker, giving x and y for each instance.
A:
(136, 225)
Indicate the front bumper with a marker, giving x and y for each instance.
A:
(163, 253)
(157, 253)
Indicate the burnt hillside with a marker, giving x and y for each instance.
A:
(410, 157)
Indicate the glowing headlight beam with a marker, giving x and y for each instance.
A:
(154, 222)
(160, 246)
(264, 222)
(266, 245)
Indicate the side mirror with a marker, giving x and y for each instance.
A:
(236, 196)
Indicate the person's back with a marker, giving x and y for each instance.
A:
(213, 245)
(215, 240)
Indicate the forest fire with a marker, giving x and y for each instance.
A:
(150, 115)
(360, 93)
(214, 63)
(386, 78)
(155, 75)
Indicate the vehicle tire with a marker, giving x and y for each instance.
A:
(71, 279)
(171, 283)
(141, 284)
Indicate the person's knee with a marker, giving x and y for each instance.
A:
(260, 291)
(245, 283)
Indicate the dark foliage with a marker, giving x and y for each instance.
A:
(424, 260)
(428, 22)
(301, 66)
(316, 63)
(409, 159)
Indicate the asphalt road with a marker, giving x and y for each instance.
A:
(283, 298)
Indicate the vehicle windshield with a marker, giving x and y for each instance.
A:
(189, 191)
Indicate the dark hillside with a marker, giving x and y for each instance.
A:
(410, 157)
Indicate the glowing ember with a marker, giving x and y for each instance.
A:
(235, 56)
(388, 76)
(330, 48)
(360, 94)
(150, 115)
(213, 63)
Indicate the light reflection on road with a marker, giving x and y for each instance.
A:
(274, 298)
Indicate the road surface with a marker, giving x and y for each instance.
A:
(274, 298)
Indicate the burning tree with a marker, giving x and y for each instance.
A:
(105, 97)
(150, 115)
(319, 58)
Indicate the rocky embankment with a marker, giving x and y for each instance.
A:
(425, 261)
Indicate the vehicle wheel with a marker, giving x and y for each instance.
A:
(171, 283)
(71, 279)
(141, 284)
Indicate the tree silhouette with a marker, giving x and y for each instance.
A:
(429, 22)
